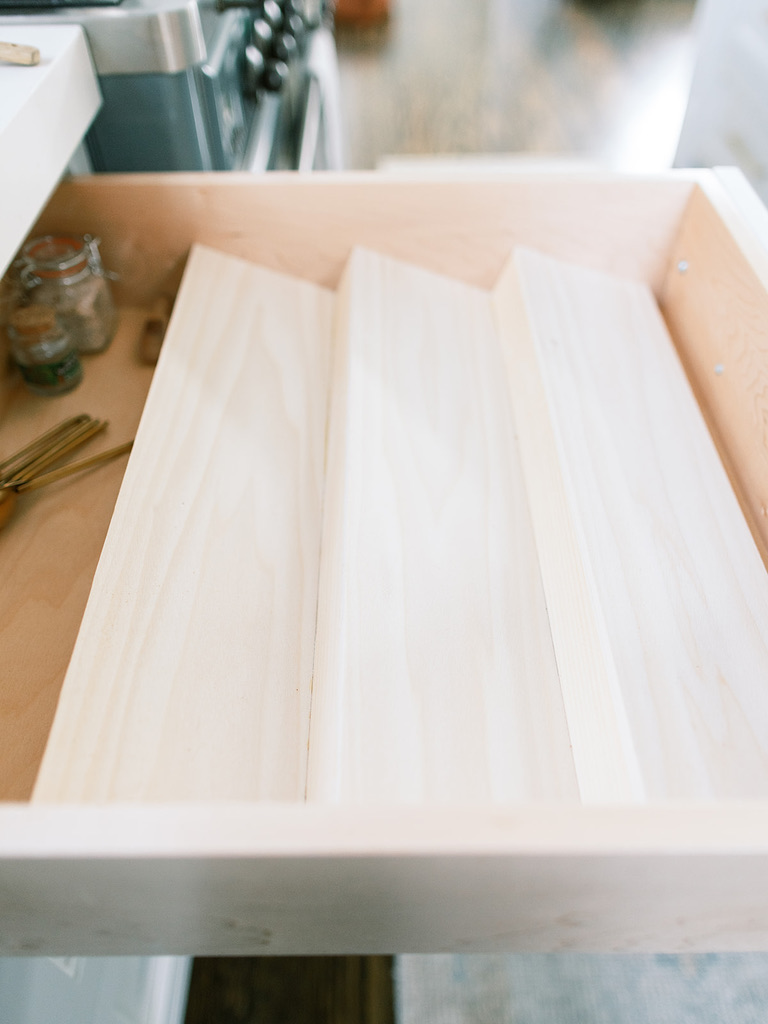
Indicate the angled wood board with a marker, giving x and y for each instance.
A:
(674, 575)
(191, 676)
(435, 677)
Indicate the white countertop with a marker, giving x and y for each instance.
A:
(45, 111)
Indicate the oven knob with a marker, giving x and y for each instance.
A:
(253, 71)
(261, 35)
(285, 47)
(313, 13)
(272, 14)
(276, 75)
(297, 28)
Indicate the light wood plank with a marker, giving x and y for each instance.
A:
(191, 676)
(435, 678)
(678, 580)
(603, 751)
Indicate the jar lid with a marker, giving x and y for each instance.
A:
(55, 255)
(35, 319)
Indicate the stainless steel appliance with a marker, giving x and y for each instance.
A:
(199, 85)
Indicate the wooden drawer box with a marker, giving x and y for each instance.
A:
(237, 875)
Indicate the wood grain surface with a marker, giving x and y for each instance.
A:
(677, 577)
(308, 225)
(419, 613)
(716, 304)
(192, 673)
(603, 753)
(435, 676)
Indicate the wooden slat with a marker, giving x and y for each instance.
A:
(603, 752)
(434, 675)
(191, 676)
(677, 577)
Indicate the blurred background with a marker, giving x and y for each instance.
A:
(637, 85)
(601, 80)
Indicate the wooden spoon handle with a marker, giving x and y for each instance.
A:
(73, 438)
(17, 53)
(74, 467)
(25, 456)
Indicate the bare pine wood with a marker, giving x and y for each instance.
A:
(677, 577)
(716, 304)
(603, 752)
(50, 548)
(308, 226)
(434, 675)
(192, 673)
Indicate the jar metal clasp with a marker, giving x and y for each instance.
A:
(94, 259)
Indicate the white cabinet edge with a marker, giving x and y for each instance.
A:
(747, 201)
(44, 113)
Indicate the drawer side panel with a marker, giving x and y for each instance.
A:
(715, 300)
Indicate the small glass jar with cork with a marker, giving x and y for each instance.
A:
(43, 350)
(65, 272)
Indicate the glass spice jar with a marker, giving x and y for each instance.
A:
(43, 350)
(10, 295)
(66, 272)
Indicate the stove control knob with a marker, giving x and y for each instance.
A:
(313, 13)
(276, 75)
(254, 67)
(295, 25)
(272, 14)
(285, 47)
(261, 35)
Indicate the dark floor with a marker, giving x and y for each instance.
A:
(600, 80)
(291, 990)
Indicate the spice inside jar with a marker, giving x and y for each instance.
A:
(66, 273)
(43, 350)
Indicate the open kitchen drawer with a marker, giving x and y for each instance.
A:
(190, 868)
